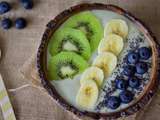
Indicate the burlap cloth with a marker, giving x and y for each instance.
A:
(32, 102)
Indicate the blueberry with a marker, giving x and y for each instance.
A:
(129, 70)
(141, 67)
(126, 96)
(121, 84)
(6, 23)
(113, 102)
(144, 53)
(134, 82)
(133, 57)
(20, 23)
(27, 4)
(4, 7)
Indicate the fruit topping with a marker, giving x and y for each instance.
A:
(111, 43)
(68, 39)
(93, 73)
(89, 24)
(107, 61)
(133, 57)
(144, 53)
(129, 70)
(141, 67)
(113, 102)
(121, 84)
(66, 65)
(87, 95)
(134, 82)
(126, 96)
(116, 26)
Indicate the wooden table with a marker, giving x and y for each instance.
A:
(18, 45)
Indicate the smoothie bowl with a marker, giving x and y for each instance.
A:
(99, 61)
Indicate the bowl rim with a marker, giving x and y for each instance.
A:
(41, 61)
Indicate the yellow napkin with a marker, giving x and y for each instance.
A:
(5, 103)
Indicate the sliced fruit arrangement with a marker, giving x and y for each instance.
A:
(107, 61)
(93, 73)
(87, 95)
(72, 44)
(91, 81)
(76, 38)
(68, 39)
(111, 43)
(66, 65)
(133, 71)
(104, 64)
(89, 24)
(116, 26)
(116, 30)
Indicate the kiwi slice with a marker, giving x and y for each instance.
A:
(65, 65)
(89, 24)
(69, 39)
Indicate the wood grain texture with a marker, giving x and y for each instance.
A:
(18, 45)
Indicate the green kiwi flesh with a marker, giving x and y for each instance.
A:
(66, 65)
(69, 39)
(89, 24)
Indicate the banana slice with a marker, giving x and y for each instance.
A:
(112, 43)
(107, 61)
(116, 26)
(87, 95)
(93, 73)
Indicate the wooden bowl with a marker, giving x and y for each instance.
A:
(142, 100)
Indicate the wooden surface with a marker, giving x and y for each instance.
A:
(18, 45)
